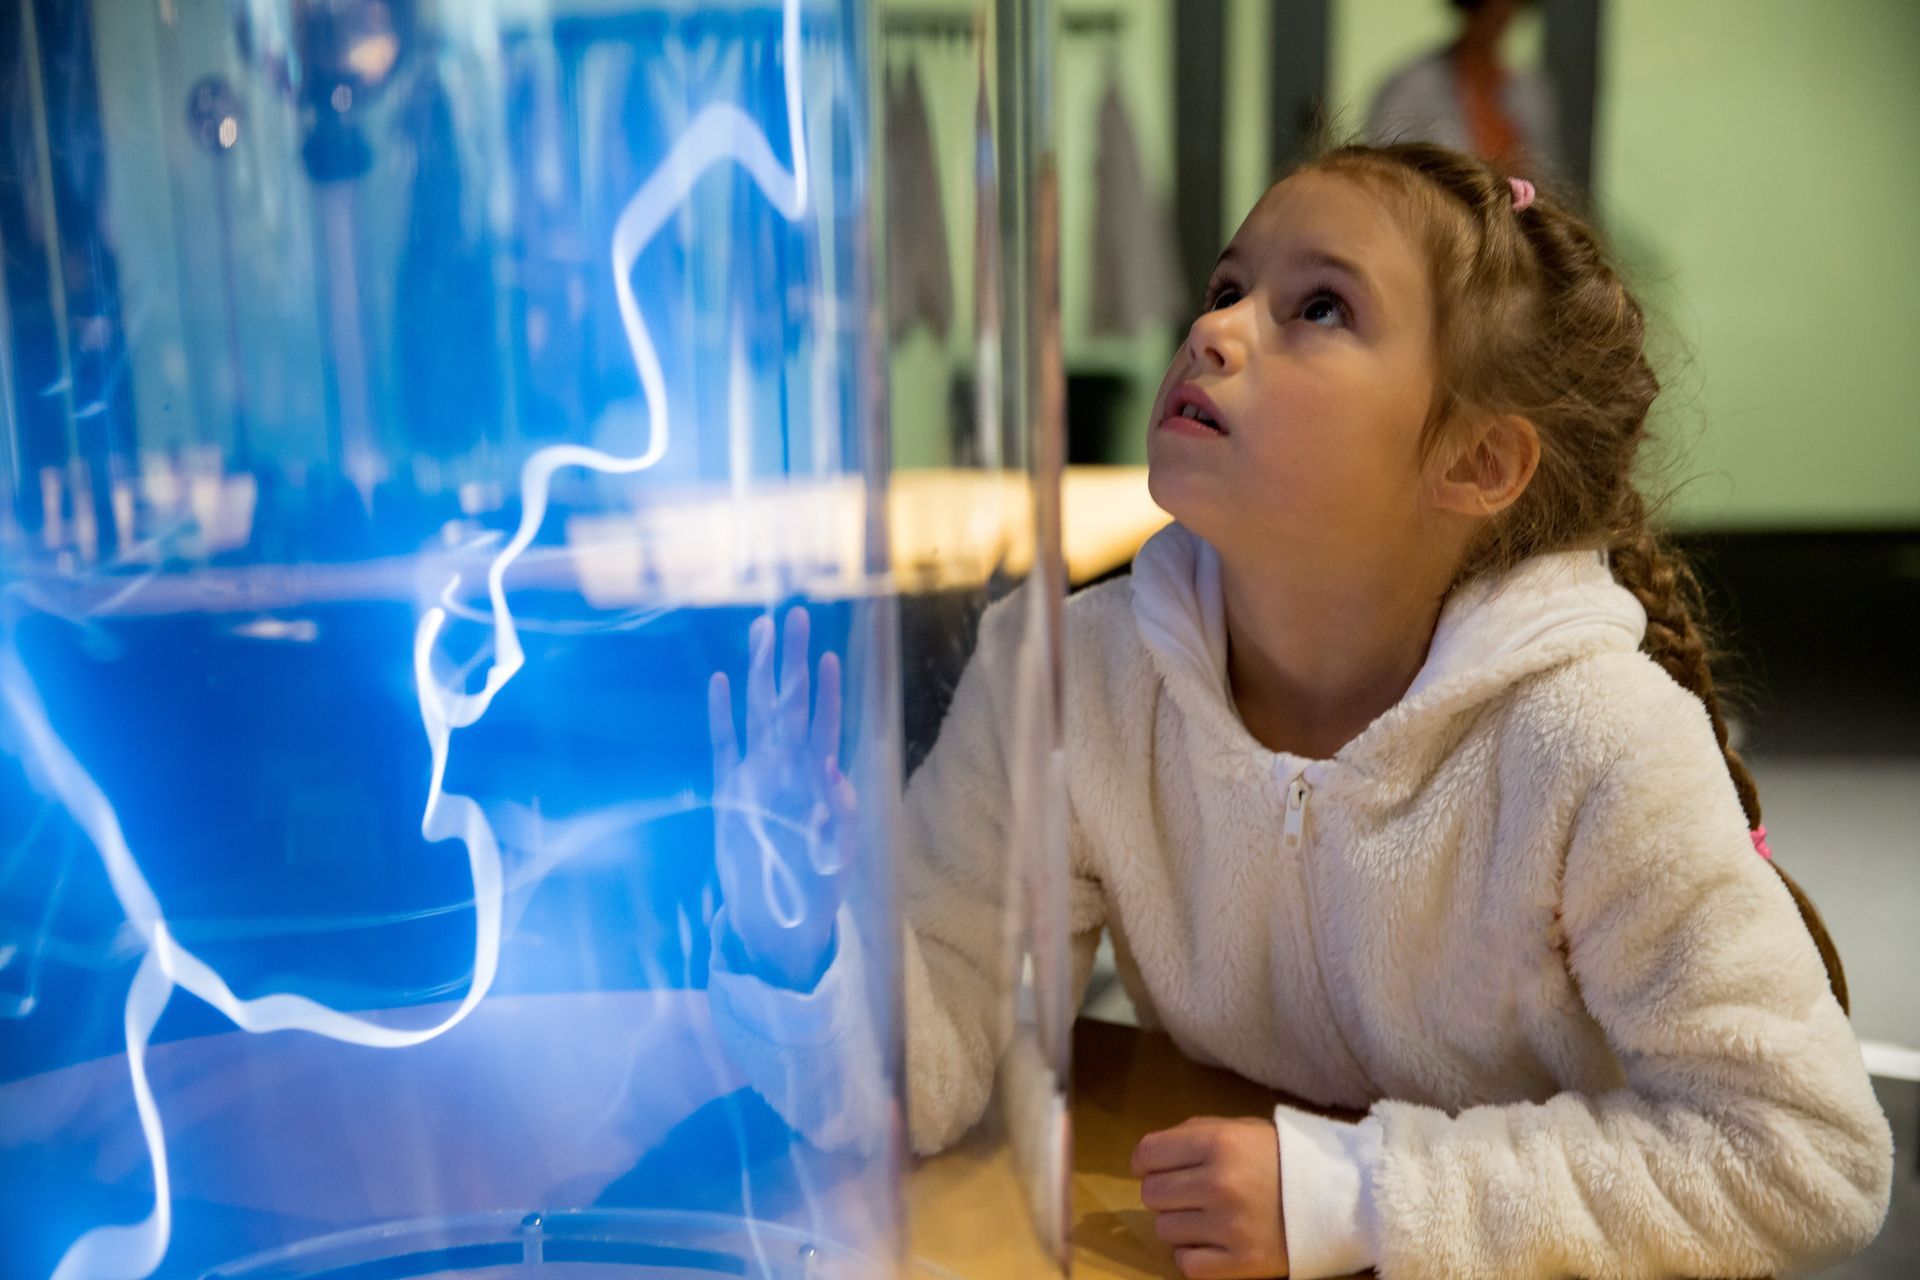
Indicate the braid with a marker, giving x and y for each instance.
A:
(1667, 589)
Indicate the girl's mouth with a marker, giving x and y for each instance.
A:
(1190, 412)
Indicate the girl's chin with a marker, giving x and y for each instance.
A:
(1222, 509)
(1188, 497)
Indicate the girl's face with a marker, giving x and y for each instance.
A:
(1312, 366)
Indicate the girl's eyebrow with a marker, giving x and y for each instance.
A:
(1313, 258)
(1345, 266)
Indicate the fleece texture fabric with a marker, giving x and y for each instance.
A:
(1518, 920)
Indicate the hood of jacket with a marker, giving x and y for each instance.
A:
(1493, 632)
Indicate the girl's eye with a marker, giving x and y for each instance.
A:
(1327, 308)
(1223, 296)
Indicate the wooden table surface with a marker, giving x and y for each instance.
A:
(968, 1212)
(1128, 1083)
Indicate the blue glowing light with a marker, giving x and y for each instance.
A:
(719, 133)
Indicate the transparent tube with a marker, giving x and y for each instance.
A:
(410, 410)
(969, 225)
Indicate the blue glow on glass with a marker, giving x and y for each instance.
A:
(510, 849)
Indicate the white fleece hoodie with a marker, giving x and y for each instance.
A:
(1519, 920)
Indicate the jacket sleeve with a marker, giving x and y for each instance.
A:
(951, 881)
(1747, 1139)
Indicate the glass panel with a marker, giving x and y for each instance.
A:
(410, 408)
(970, 217)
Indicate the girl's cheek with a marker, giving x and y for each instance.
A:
(1166, 385)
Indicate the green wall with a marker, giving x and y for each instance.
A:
(1757, 165)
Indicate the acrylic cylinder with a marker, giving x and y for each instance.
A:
(410, 407)
(969, 254)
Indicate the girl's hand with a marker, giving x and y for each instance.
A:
(1214, 1187)
(782, 810)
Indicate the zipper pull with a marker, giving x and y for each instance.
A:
(1297, 794)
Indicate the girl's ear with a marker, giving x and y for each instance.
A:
(1492, 469)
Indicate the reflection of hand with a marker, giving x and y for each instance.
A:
(782, 809)
(1214, 1187)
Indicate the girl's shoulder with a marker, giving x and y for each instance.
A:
(1102, 599)
(1102, 655)
(1108, 673)
(1098, 628)
(1611, 709)
(1093, 617)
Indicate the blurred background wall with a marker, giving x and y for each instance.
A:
(1749, 167)
(1750, 160)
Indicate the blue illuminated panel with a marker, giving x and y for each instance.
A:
(408, 411)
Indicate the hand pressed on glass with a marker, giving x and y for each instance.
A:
(782, 809)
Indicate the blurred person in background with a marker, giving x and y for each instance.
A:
(1464, 97)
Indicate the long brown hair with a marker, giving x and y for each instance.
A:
(1533, 319)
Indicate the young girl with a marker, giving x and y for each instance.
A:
(1396, 772)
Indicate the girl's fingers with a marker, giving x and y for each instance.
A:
(1177, 1148)
(759, 681)
(1206, 1262)
(792, 710)
(1174, 1189)
(726, 748)
(1187, 1226)
(841, 797)
(837, 835)
(826, 711)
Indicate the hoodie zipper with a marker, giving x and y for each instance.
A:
(1293, 837)
(1298, 792)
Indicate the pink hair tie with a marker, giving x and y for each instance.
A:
(1522, 193)
(1759, 835)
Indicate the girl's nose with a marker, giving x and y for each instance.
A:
(1214, 340)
